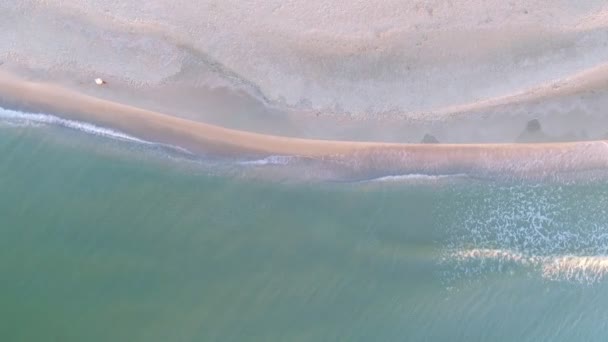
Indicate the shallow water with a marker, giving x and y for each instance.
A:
(104, 238)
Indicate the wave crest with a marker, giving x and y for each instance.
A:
(26, 119)
(584, 269)
(557, 230)
(16, 118)
(573, 268)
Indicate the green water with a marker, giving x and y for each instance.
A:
(104, 241)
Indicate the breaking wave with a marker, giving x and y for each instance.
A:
(16, 118)
(559, 233)
(580, 269)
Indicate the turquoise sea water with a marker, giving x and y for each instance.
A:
(103, 238)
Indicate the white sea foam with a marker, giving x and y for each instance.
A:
(12, 123)
(16, 118)
(576, 268)
(26, 119)
(270, 160)
(586, 269)
(557, 232)
(415, 177)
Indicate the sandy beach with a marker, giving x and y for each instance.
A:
(252, 81)
(303, 170)
(535, 158)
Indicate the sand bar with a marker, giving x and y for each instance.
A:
(369, 156)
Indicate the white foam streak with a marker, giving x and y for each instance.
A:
(20, 118)
(15, 118)
(271, 160)
(581, 269)
(588, 269)
(414, 177)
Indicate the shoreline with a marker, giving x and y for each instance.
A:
(368, 157)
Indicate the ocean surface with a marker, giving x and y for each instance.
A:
(105, 237)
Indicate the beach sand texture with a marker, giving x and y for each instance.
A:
(365, 157)
(320, 80)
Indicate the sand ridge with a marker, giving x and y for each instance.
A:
(208, 139)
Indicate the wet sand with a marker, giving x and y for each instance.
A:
(367, 156)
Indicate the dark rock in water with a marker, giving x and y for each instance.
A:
(533, 126)
(429, 139)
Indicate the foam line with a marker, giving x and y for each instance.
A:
(17, 117)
